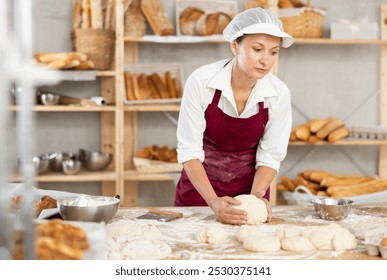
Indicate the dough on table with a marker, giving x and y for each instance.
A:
(297, 244)
(246, 230)
(261, 243)
(255, 208)
(212, 234)
(289, 231)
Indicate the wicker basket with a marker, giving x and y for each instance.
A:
(97, 44)
(306, 22)
(151, 166)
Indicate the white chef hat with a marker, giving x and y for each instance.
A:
(255, 21)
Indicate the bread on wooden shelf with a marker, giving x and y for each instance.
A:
(157, 17)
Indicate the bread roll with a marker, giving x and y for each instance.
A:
(316, 124)
(338, 134)
(302, 132)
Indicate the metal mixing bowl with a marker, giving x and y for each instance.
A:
(95, 161)
(58, 157)
(88, 208)
(49, 99)
(41, 163)
(71, 166)
(332, 209)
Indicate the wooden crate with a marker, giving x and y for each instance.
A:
(160, 69)
(229, 8)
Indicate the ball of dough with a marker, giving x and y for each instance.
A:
(262, 243)
(212, 235)
(289, 231)
(246, 230)
(343, 241)
(297, 244)
(255, 208)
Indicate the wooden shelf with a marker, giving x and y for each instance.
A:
(83, 176)
(346, 142)
(133, 175)
(219, 39)
(69, 108)
(152, 108)
(106, 73)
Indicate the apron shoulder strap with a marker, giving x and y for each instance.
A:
(216, 98)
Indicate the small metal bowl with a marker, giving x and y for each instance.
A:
(71, 166)
(41, 163)
(88, 208)
(332, 209)
(95, 161)
(58, 157)
(49, 99)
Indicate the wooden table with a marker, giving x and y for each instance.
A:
(180, 234)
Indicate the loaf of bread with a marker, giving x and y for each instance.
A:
(86, 14)
(143, 87)
(160, 85)
(96, 14)
(129, 87)
(134, 20)
(187, 20)
(288, 183)
(170, 84)
(222, 21)
(316, 124)
(359, 189)
(77, 14)
(302, 132)
(157, 17)
(330, 181)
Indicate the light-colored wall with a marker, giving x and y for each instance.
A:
(340, 81)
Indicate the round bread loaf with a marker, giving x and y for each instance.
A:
(188, 19)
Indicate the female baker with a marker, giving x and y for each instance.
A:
(235, 120)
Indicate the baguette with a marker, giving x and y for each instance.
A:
(157, 17)
(96, 14)
(282, 188)
(335, 181)
(129, 87)
(170, 84)
(85, 65)
(359, 189)
(86, 17)
(288, 183)
(318, 175)
(46, 57)
(143, 86)
(302, 132)
(77, 14)
(136, 90)
(160, 85)
(330, 126)
(338, 134)
(313, 139)
(179, 92)
(154, 91)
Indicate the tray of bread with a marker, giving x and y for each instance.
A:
(153, 83)
(204, 18)
(161, 159)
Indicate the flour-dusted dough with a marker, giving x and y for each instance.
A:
(262, 243)
(343, 241)
(246, 230)
(333, 237)
(296, 244)
(255, 207)
(289, 231)
(212, 234)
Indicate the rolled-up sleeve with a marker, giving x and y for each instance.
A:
(191, 124)
(273, 146)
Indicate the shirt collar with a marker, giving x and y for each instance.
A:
(222, 81)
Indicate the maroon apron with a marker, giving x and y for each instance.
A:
(230, 146)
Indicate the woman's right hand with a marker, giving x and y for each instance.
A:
(225, 213)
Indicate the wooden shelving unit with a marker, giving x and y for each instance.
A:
(119, 122)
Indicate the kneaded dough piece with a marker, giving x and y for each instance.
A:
(255, 208)
(343, 241)
(289, 231)
(212, 235)
(322, 237)
(262, 243)
(297, 244)
(247, 230)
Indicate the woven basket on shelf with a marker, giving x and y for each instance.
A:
(306, 22)
(97, 44)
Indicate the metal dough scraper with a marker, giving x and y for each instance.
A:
(160, 215)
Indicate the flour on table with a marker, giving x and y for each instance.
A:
(262, 243)
(255, 208)
(296, 244)
(212, 234)
(134, 241)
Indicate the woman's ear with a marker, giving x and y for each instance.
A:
(234, 47)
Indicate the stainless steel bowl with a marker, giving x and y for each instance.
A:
(49, 99)
(58, 157)
(95, 161)
(332, 209)
(71, 166)
(88, 208)
(41, 163)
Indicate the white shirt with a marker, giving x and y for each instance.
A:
(199, 90)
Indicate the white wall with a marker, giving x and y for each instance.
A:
(342, 81)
